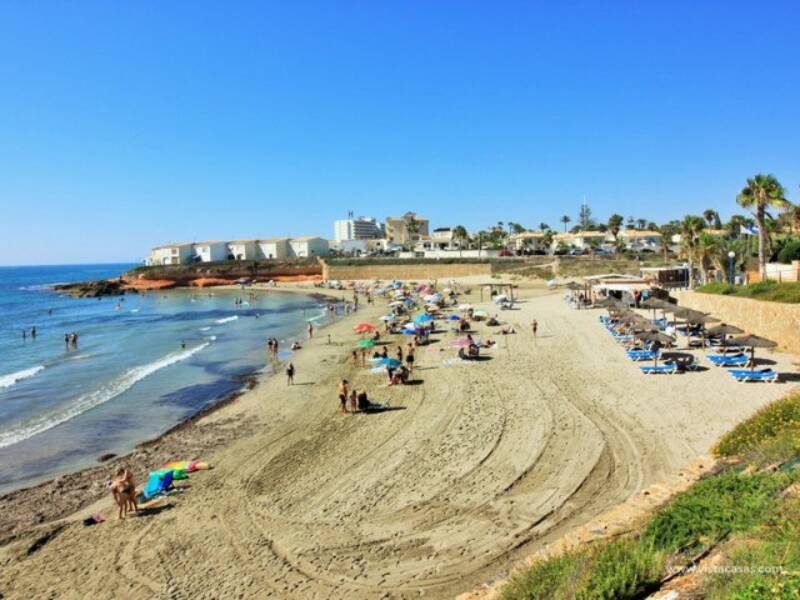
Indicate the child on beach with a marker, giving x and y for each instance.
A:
(353, 402)
(290, 374)
(343, 396)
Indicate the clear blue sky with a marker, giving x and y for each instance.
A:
(124, 125)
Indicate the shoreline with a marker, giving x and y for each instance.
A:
(70, 486)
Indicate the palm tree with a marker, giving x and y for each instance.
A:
(460, 235)
(760, 193)
(706, 250)
(641, 224)
(711, 216)
(565, 220)
(615, 224)
(667, 231)
(543, 227)
(547, 239)
(412, 228)
(691, 226)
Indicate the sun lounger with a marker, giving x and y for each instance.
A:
(637, 355)
(723, 360)
(743, 375)
(665, 369)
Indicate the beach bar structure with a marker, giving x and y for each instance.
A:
(669, 278)
(622, 287)
(499, 288)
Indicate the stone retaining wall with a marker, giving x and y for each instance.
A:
(413, 272)
(776, 321)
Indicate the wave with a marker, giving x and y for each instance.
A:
(226, 320)
(86, 402)
(205, 328)
(12, 378)
(134, 310)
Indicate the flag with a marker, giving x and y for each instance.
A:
(748, 230)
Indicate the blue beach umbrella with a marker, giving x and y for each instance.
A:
(392, 363)
(423, 319)
(453, 318)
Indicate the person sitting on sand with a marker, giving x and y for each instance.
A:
(296, 346)
(363, 401)
(506, 329)
(384, 353)
(343, 396)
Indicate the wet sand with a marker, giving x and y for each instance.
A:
(470, 469)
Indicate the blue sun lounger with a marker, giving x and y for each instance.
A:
(637, 355)
(665, 369)
(725, 360)
(743, 375)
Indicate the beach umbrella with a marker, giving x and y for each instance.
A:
(453, 318)
(724, 330)
(389, 362)
(364, 328)
(365, 344)
(753, 342)
(423, 319)
(656, 337)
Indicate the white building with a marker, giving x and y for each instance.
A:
(211, 251)
(242, 250)
(640, 240)
(308, 245)
(582, 240)
(529, 239)
(273, 248)
(170, 254)
(362, 228)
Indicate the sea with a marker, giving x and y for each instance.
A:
(142, 363)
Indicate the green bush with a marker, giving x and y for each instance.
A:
(774, 546)
(790, 251)
(779, 419)
(623, 569)
(769, 291)
(555, 578)
(714, 507)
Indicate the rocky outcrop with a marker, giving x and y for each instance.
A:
(93, 289)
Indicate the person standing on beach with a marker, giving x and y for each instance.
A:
(343, 396)
(290, 374)
(363, 357)
(534, 327)
(410, 357)
(269, 347)
(353, 402)
(355, 358)
(275, 348)
(310, 330)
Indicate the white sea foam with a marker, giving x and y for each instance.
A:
(86, 402)
(213, 338)
(205, 328)
(226, 320)
(12, 378)
(134, 310)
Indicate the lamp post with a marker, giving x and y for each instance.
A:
(731, 256)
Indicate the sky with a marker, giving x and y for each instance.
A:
(124, 125)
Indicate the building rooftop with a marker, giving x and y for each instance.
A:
(306, 238)
(634, 233)
(274, 240)
(173, 245)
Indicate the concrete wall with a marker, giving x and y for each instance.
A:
(411, 271)
(773, 320)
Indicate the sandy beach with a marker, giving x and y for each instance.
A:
(468, 470)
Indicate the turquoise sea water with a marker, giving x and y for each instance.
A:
(142, 364)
